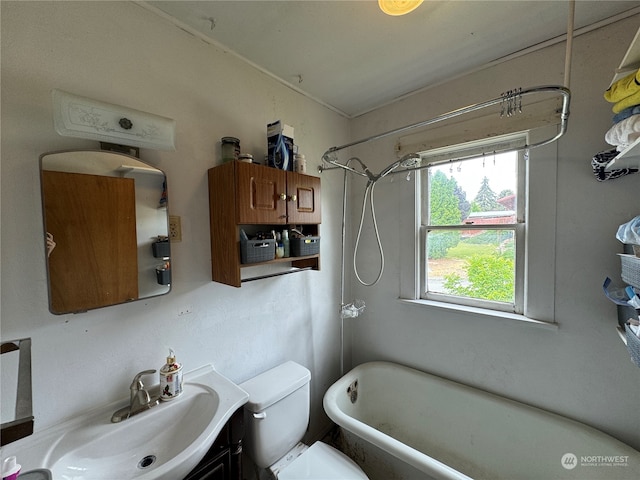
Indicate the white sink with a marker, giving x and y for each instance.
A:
(165, 442)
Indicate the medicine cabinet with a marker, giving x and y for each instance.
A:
(251, 197)
(102, 212)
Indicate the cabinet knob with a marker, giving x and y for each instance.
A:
(283, 196)
(293, 198)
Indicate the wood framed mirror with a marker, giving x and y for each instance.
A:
(103, 211)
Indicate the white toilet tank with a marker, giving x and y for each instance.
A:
(277, 413)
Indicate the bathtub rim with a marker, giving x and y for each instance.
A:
(407, 453)
(387, 443)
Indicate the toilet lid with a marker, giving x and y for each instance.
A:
(322, 462)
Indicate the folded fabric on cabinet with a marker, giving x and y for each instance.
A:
(624, 133)
(623, 88)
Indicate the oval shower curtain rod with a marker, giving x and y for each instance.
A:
(509, 97)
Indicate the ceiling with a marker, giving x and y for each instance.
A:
(353, 58)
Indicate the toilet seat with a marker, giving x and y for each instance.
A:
(322, 462)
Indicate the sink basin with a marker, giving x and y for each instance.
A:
(165, 442)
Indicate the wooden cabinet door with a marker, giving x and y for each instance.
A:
(259, 191)
(303, 199)
(93, 221)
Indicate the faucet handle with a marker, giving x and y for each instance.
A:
(137, 382)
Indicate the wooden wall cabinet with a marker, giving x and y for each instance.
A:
(246, 195)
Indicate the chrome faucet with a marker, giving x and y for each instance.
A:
(140, 399)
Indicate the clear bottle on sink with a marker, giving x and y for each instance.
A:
(285, 243)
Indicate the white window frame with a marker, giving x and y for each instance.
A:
(519, 229)
(539, 257)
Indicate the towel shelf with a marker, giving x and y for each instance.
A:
(629, 157)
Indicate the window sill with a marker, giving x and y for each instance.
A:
(519, 319)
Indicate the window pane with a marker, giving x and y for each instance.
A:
(476, 264)
(474, 191)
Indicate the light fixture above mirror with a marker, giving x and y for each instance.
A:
(82, 117)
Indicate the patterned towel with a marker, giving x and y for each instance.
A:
(600, 161)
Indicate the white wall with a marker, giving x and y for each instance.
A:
(121, 53)
(582, 370)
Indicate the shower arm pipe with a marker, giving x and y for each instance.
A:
(564, 117)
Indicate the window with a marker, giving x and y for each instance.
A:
(534, 230)
(474, 230)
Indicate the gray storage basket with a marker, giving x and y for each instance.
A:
(630, 269)
(633, 345)
(254, 251)
(304, 246)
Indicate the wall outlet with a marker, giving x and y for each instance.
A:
(175, 228)
(185, 310)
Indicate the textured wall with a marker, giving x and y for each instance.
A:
(122, 53)
(582, 370)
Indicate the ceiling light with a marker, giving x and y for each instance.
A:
(398, 7)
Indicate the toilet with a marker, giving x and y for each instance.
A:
(276, 419)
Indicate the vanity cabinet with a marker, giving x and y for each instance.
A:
(223, 461)
(254, 197)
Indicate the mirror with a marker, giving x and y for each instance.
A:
(106, 229)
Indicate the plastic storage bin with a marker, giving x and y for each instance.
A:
(254, 251)
(631, 269)
(163, 275)
(633, 346)
(304, 246)
(161, 249)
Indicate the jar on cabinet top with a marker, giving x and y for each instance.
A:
(230, 147)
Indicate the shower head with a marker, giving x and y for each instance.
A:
(408, 161)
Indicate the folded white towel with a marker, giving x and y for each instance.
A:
(624, 132)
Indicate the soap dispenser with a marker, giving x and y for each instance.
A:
(170, 378)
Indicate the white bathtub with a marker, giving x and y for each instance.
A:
(451, 431)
